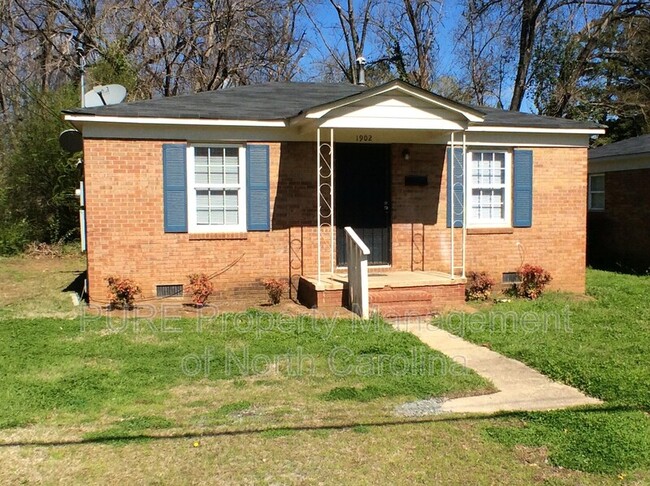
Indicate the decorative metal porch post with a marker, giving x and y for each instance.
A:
(451, 189)
(325, 195)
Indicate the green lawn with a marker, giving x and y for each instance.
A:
(261, 398)
(92, 366)
(599, 345)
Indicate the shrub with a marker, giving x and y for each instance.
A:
(479, 286)
(200, 287)
(122, 292)
(275, 288)
(13, 237)
(533, 280)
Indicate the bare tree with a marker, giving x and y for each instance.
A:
(354, 23)
(408, 28)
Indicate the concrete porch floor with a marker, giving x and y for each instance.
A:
(391, 293)
(379, 280)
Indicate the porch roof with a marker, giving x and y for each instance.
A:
(282, 102)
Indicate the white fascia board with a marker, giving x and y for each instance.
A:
(324, 110)
(577, 131)
(174, 121)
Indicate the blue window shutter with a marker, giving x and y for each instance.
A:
(258, 213)
(175, 187)
(522, 210)
(455, 189)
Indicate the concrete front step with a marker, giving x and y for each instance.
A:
(394, 310)
(398, 295)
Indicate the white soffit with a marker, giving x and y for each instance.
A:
(175, 121)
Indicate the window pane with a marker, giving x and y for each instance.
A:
(201, 175)
(202, 200)
(216, 199)
(232, 156)
(202, 216)
(201, 155)
(216, 216)
(597, 183)
(598, 200)
(231, 201)
(232, 216)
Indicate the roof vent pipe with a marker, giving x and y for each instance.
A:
(361, 70)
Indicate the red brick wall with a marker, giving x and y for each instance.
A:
(556, 240)
(619, 236)
(126, 237)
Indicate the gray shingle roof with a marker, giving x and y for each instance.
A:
(279, 101)
(272, 101)
(505, 118)
(631, 146)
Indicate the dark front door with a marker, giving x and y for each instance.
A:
(362, 198)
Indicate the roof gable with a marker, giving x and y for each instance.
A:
(408, 96)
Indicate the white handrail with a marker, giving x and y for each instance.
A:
(357, 253)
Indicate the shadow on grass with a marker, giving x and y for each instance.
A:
(125, 438)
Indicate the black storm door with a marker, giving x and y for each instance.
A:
(362, 199)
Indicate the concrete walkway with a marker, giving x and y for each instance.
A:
(520, 387)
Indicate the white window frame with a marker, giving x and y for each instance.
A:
(506, 221)
(192, 187)
(592, 192)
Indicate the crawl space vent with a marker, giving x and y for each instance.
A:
(510, 278)
(175, 290)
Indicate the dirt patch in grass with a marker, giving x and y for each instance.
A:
(34, 287)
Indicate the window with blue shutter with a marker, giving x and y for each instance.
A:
(175, 187)
(455, 188)
(522, 210)
(258, 188)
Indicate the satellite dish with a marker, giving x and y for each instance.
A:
(110, 94)
(71, 141)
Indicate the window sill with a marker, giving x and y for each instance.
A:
(218, 236)
(490, 231)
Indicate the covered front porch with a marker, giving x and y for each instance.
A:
(382, 171)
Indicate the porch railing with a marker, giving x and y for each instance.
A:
(357, 253)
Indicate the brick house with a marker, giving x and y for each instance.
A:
(261, 180)
(619, 205)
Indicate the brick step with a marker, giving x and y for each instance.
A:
(396, 295)
(403, 309)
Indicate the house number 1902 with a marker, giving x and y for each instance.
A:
(364, 138)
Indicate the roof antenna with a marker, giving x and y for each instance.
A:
(361, 68)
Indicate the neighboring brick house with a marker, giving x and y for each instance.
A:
(229, 178)
(619, 205)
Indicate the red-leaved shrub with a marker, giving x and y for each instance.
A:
(122, 292)
(479, 286)
(275, 288)
(200, 287)
(533, 280)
